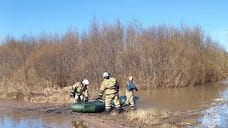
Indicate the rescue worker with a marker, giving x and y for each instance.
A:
(130, 87)
(80, 91)
(110, 88)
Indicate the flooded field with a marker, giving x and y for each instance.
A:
(207, 102)
(17, 119)
(181, 99)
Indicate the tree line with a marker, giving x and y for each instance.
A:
(157, 56)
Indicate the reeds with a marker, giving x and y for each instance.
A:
(157, 56)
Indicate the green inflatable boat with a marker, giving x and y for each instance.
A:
(94, 106)
(88, 107)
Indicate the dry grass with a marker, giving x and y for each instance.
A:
(151, 118)
(39, 95)
(157, 56)
(160, 118)
(50, 95)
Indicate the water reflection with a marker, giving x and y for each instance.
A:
(211, 117)
(79, 124)
(210, 101)
(17, 119)
(217, 115)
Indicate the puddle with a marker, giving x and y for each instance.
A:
(15, 119)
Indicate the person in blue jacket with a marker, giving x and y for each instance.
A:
(130, 87)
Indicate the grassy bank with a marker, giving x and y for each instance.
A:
(160, 118)
(157, 56)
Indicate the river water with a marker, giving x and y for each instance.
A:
(18, 119)
(209, 101)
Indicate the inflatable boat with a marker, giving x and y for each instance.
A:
(94, 106)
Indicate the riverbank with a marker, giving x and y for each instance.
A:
(174, 107)
(49, 95)
(141, 118)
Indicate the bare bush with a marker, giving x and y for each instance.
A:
(157, 56)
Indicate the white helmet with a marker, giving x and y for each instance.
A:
(131, 78)
(85, 82)
(105, 74)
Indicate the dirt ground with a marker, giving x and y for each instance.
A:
(102, 120)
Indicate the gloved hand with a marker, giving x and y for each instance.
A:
(98, 98)
(136, 89)
(72, 94)
(86, 99)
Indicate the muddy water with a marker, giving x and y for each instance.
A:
(181, 99)
(18, 119)
(209, 102)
